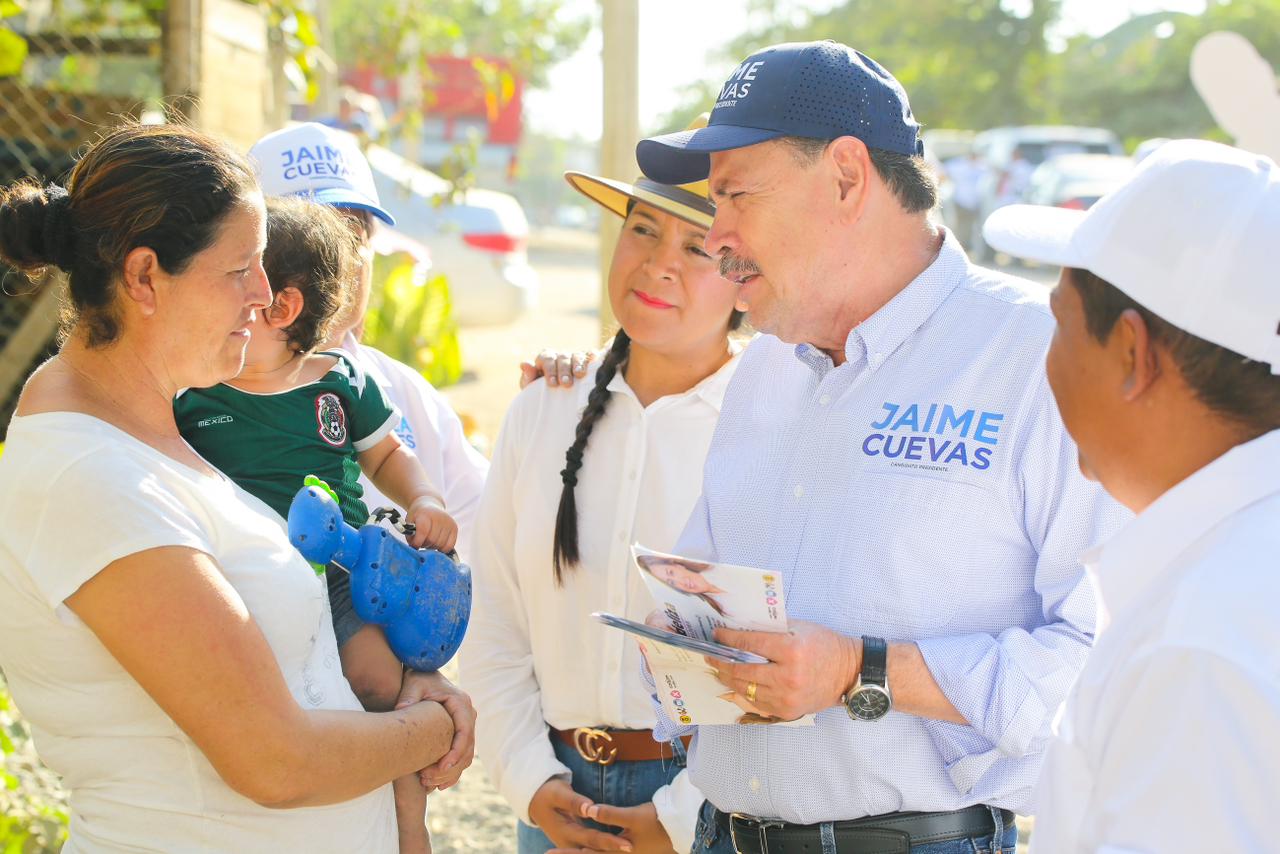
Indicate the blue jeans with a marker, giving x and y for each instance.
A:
(622, 784)
(709, 838)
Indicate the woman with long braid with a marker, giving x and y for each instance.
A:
(564, 721)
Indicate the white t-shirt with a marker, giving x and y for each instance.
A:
(77, 495)
(532, 655)
(429, 428)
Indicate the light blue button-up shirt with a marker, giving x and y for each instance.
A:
(924, 491)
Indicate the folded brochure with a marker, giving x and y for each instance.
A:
(670, 638)
(697, 598)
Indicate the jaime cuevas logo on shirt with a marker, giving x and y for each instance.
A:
(934, 436)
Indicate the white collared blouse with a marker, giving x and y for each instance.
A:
(533, 657)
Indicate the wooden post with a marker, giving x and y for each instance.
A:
(620, 22)
(181, 50)
(327, 74)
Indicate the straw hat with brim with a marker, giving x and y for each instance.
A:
(615, 196)
(689, 202)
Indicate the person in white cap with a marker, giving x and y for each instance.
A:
(1166, 368)
(327, 166)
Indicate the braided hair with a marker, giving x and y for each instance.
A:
(565, 549)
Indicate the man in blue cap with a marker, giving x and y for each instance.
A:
(890, 445)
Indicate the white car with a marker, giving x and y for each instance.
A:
(1035, 144)
(1077, 181)
(479, 241)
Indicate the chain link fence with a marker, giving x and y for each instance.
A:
(88, 65)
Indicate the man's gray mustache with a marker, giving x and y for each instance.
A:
(734, 267)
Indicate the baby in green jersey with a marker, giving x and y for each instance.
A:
(294, 411)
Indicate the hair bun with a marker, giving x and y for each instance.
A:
(35, 226)
(57, 235)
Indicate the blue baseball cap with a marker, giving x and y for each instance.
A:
(821, 90)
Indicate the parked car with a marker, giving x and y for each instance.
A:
(1077, 180)
(478, 241)
(1033, 145)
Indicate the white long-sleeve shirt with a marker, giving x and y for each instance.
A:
(533, 656)
(1170, 741)
(429, 427)
(923, 491)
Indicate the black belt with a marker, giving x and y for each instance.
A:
(894, 833)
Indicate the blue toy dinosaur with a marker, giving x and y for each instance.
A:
(420, 597)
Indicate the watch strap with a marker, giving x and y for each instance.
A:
(875, 661)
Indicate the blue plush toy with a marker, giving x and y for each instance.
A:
(420, 597)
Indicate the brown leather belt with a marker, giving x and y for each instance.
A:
(606, 746)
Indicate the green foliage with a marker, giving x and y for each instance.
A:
(410, 318)
(13, 47)
(965, 63)
(977, 64)
(293, 22)
(33, 804)
(458, 168)
(1136, 79)
(399, 36)
(13, 52)
(390, 35)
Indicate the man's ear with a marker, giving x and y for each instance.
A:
(852, 163)
(284, 309)
(1142, 362)
(141, 267)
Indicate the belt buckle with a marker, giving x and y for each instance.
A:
(762, 827)
(588, 742)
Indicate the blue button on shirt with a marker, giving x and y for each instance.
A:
(924, 491)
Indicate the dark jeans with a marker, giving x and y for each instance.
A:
(345, 621)
(622, 784)
(709, 838)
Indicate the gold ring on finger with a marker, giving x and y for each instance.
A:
(751, 692)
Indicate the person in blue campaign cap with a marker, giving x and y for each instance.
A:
(820, 90)
(889, 446)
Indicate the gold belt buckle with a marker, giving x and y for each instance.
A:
(589, 742)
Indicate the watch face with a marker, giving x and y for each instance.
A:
(869, 703)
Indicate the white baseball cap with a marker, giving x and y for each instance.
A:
(320, 162)
(1190, 236)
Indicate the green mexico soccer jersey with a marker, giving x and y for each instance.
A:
(267, 443)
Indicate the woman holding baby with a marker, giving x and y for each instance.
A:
(173, 652)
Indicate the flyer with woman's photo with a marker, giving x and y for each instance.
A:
(698, 598)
